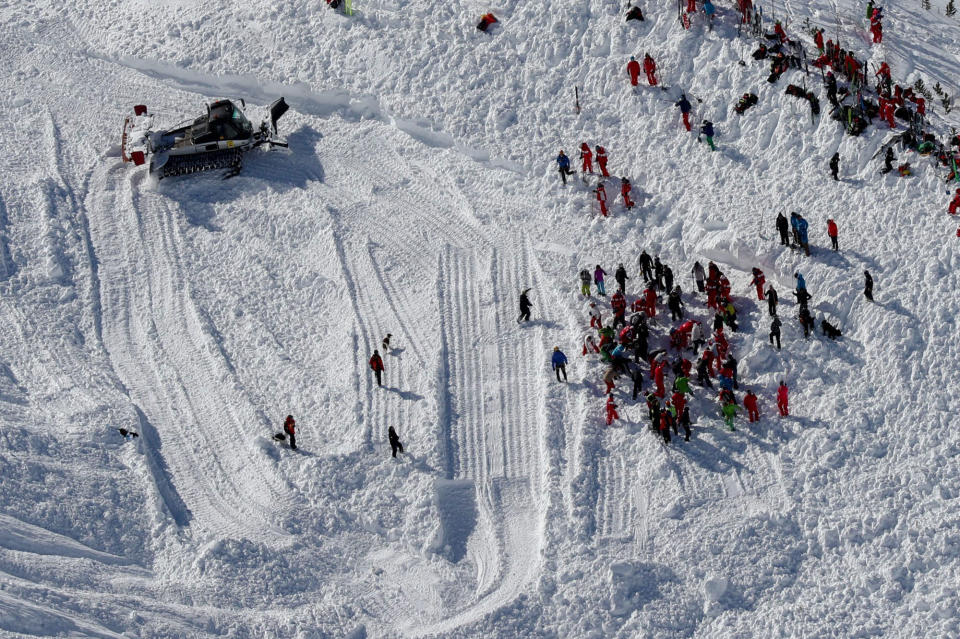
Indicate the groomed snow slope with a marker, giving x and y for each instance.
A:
(418, 198)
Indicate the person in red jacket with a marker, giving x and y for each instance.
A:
(601, 193)
(612, 413)
(759, 280)
(955, 203)
(658, 380)
(832, 232)
(650, 68)
(679, 401)
(650, 296)
(586, 156)
(376, 363)
(602, 160)
(290, 428)
(818, 40)
(781, 34)
(750, 403)
(782, 400)
(625, 192)
(633, 68)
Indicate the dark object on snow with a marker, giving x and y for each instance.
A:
(798, 92)
(333, 3)
(746, 101)
(485, 21)
(761, 53)
(525, 306)
(853, 123)
(635, 14)
(835, 165)
(280, 437)
(289, 427)
(829, 329)
(395, 444)
(868, 285)
(127, 434)
(386, 342)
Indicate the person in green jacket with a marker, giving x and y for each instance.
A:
(682, 384)
(729, 411)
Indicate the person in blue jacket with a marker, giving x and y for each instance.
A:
(685, 109)
(559, 363)
(802, 234)
(801, 283)
(794, 218)
(563, 163)
(709, 9)
(706, 129)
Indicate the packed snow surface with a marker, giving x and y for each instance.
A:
(418, 197)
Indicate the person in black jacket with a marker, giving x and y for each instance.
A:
(621, 277)
(775, 331)
(395, 444)
(525, 307)
(646, 266)
(868, 285)
(835, 165)
(888, 160)
(772, 300)
(783, 228)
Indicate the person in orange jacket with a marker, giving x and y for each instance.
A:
(750, 403)
(650, 68)
(782, 399)
(376, 364)
(290, 428)
(832, 232)
(601, 193)
(650, 297)
(625, 192)
(955, 203)
(658, 380)
(633, 68)
(759, 280)
(612, 413)
(586, 157)
(602, 160)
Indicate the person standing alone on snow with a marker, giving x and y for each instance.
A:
(598, 274)
(290, 428)
(775, 331)
(685, 109)
(633, 68)
(782, 399)
(563, 162)
(559, 361)
(376, 364)
(868, 285)
(832, 232)
(707, 130)
(395, 444)
(585, 282)
(621, 277)
(835, 165)
(525, 307)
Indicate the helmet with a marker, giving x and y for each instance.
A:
(632, 58)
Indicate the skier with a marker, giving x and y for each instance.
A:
(290, 427)
(782, 228)
(707, 130)
(835, 165)
(525, 307)
(699, 276)
(563, 164)
(586, 157)
(750, 403)
(598, 274)
(601, 192)
(772, 300)
(782, 402)
(758, 280)
(650, 68)
(625, 192)
(868, 285)
(633, 69)
(832, 232)
(685, 108)
(376, 363)
(775, 331)
(585, 282)
(602, 160)
(621, 277)
(395, 445)
(955, 203)
(729, 412)
(612, 413)
(646, 266)
(559, 361)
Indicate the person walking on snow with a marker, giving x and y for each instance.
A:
(525, 307)
(699, 276)
(650, 298)
(625, 192)
(729, 412)
(772, 300)
(775, 331)
(290, 428)
(782, 228)
(602, 160)
(395, 445)
(759, 281)
(621, 277)
(709, 10)
(750, 403)
(595, 320)
(650, 68)
(685, 108)
(586, 158)
(782, 399)
(633, 69)
(598, 274)
(559, 361)
(601, 192)
(612, 413)
(646, 266)
(585, 282)
(835, 165)
(707, 130)
(563, 165)
(376, 364)
(955, 203)
(801, 283)
(868, 285)
(832, 232)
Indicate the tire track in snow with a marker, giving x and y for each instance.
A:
(163, 353)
